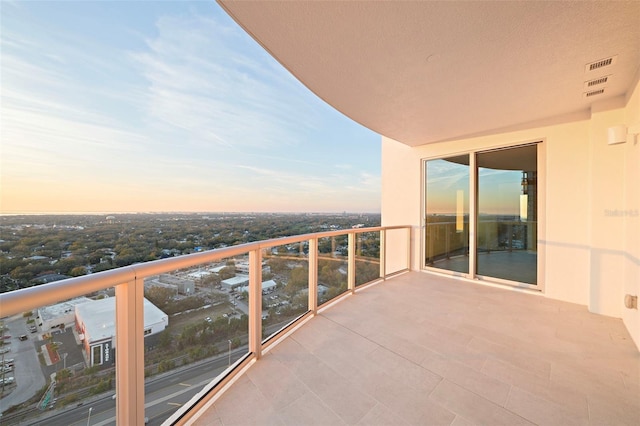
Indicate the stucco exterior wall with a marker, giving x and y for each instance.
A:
(590, 234)
(631, 317)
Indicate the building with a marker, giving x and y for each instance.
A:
(60, 315)
(179, 285)
(267, 287)
(230, 284)
(95, 323)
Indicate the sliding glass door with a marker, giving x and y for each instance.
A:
(502, 222)
(506, 218)
(447, 213)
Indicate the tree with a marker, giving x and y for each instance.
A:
(160, 296)
(165, 339)
(77, 271)
(277, 265)
(298, 280)
(227, 272)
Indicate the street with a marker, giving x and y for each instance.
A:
(163, 396)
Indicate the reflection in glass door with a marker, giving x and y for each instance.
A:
(447, 214)
(506, 219)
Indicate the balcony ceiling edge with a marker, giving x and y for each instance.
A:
(424, 72)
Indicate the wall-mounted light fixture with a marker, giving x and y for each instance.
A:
(617, 134)
(620, 134)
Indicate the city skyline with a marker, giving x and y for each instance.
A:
(166, 107)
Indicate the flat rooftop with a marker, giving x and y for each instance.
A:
(99, 317)
(422, 349)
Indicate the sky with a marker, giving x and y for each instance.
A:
(139, 106)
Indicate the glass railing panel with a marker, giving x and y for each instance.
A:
(333, 267)
(204, 330)
(285, 285)
(367, 257)
(56, 360)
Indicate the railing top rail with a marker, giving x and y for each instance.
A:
(27, 299)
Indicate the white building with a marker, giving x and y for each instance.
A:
(60, 315)
(232, 283)
(95, 321)
(267, 287)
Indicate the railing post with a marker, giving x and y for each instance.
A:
(383, 253)
(255, 302)
(351, 274)
(313, 275)
(130, 353)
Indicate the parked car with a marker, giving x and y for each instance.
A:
(8, 361)
(23, 337)
(6, 380)
(5, 349)
(33, 328)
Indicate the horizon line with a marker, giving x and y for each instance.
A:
(102, 213)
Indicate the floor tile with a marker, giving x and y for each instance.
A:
(425, 350)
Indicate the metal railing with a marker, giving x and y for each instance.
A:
(444, 240)
(129, 291)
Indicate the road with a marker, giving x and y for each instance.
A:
(163, 396)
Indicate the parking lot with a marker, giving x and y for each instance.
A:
(28, 378)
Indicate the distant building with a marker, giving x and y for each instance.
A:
(177, 284)
(267, 287)
(49, 278)
(243, 267)
(60, 315)
(235, 282)
(95, 322)
(199, 274)
(217, 269)
(37, 257)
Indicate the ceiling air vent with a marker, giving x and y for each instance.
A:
(597, 82)
(602, 63)
(593, 93)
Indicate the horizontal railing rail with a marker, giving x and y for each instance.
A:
(129, 285)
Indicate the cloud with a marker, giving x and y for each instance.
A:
(343, 166)
(218, 86)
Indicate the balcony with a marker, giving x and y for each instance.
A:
(423, 349)
(328, 266)
(412, 348)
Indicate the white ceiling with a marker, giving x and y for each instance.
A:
(422, 72)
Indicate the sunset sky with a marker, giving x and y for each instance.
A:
(165, 106)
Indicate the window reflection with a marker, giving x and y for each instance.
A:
(507, 205)
(505, 214)
(447, 213)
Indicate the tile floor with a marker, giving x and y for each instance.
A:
(425, 350)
